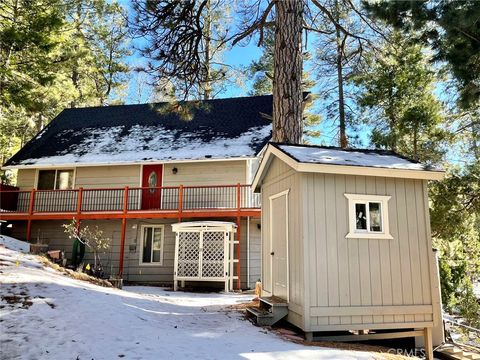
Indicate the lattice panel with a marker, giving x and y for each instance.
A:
(213, 254)
(188, 254)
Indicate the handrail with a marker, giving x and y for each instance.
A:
(124, 200)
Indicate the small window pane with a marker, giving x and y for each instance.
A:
(64, 179)
(156, 256)
(46, 179)
(375, 216)
(361, 216)
(147, 245)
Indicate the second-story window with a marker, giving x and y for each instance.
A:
(61, 179)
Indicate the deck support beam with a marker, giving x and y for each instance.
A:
(123, 233)
(30, 212)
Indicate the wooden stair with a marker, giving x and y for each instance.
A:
(271, 310)
(453, 352)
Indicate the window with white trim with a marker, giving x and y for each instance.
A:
(368, 216)
(152, 244)
(60, 179)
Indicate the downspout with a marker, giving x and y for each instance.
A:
(248, 252)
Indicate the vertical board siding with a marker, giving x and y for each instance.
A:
(281, 177)
(365, 272)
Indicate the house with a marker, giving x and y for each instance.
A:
(346, 240)
(134, 170)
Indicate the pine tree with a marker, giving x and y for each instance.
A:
(397, 95)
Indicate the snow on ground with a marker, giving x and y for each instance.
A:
(14, 244)
(45, 315)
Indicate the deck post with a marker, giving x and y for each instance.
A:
(122, 236)
(79, 207)
(428, 344)
(239, 233)
(180, 203)
(30, 213)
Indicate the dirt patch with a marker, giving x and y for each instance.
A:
(243, 306)
(75, 274)
(24, 301)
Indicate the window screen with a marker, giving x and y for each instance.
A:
(152, 245)
(375, 210)
(361, 216)
(64, 179)
(46, 180)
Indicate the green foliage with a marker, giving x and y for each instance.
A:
(55, 54)
(450, 27)
(397, 93)
(455, 218)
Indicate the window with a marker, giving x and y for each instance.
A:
(152, 245)
(55, 179)
(368, 216)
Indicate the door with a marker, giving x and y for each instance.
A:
(279, 244)
(151, 179)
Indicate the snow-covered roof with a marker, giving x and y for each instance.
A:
(351, 157)
(333, 160)
(216, 129)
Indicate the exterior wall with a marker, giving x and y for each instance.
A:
(206, 173)
(255, 252)
(26, 179)
(189, 174)
(107, 176)
(51, 233)
(281, 177)
(366, 283)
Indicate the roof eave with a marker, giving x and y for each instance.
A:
(121, 163)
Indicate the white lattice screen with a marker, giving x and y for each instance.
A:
(204, 252)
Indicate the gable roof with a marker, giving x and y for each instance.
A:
(122, 134)
(334, 160)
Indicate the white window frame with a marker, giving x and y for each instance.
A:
(354, 233)
(142, 230)
(37, 177)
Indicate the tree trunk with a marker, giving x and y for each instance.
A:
(287, 75)
(207, 85)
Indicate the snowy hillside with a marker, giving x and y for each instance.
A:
(46, 315)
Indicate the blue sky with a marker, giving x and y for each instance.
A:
(240, 56)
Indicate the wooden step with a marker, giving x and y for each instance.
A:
(274, 301)
(269, 313)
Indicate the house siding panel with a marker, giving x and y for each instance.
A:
(52, 233)
(26, 179)
(280, 178)
(353, 277)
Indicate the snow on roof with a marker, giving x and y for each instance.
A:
(218, 129)
(364, 158)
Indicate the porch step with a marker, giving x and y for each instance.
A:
(270, 311)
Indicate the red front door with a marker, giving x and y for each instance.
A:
(151, 179)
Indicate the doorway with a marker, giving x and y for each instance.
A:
(151, 183)
(279, 244)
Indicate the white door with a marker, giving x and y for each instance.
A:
(279, 244)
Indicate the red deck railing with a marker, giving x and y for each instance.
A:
(158, 199)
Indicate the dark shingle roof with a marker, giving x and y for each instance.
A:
(220, 128)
